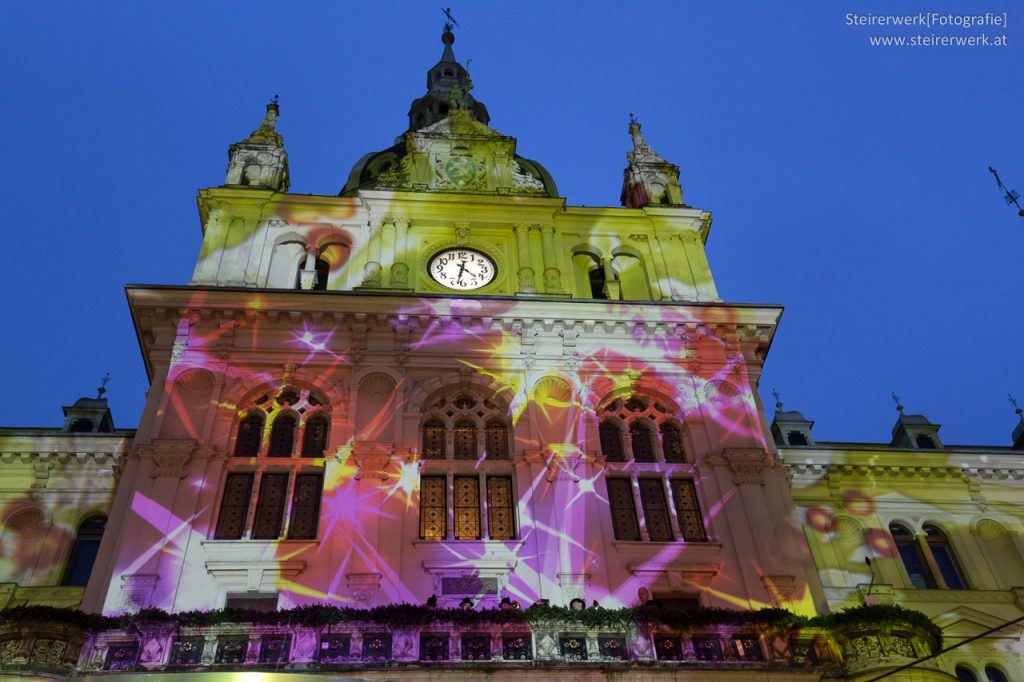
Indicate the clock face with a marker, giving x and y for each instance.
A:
(462, 269)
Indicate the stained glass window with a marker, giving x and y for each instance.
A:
(234, 506)
(500, 519)
(620, 499)
(433, 507)
(314, 436)
(467, 508)
(270, 507)
(691, 524)
(652, 497)
(250, 434)
(433, 439)
(611, 441)
(641, 441)
(84, 552)
(465, 439)
(672, 443)
(282, 437)
(305, 506)
(497, 440)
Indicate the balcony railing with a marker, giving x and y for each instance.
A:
(438, 638)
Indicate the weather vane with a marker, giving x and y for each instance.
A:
(896, 399)
(1016, 407)
(103, 385)
(449, 19)
(275, 100)
(778, 398)
(1011, 196)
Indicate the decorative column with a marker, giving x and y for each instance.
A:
(527, 285)
(399, 269)
(552, 275)
(307, 276)
(612, 287)
(372, 269)
(666, 281)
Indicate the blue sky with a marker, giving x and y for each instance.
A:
(848, 182)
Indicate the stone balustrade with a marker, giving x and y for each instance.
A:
(64, 649)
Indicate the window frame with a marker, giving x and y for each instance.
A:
(640, 507)
(482, 477)
(89, 536)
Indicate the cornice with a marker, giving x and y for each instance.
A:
(931, 472)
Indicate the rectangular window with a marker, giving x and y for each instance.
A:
(500, 519)
(234, 506)
(691, 523)
(433, 507)
(652, 497)
(620, 499)
(305, 506)
(467, 508)
(270, 507)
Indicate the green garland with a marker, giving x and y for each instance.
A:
(888, 614)
(417, 615)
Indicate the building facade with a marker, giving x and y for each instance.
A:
(448, 385)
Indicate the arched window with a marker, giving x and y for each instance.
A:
(433, 439)
(994, 674)
(282, 437)
(913, 558)
(611, 441)
(641, 441)
(497, 440)
(941, 551)
(465, 439)
(964, 674)
(672, 442)
(314, 436)
(323, 269)
(596, 276)
(84, 552)
(250, 436)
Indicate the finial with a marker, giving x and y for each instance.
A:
(896, 399)
(448, 37)
(103, 385)
(778, 399)
(275, 100)
(1017, 409)
(1009, 195)
(632, 118)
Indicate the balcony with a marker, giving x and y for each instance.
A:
(405, 637)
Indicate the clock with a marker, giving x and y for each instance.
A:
(462, 269)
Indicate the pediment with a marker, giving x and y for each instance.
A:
(966, 621)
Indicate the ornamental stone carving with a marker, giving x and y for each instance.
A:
(170, 457)
(362, 588)
(749, 467)
(780, 588)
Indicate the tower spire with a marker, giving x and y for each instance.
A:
(448, 86)
(648, 179)
(260, 160)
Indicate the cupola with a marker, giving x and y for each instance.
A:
(790, 428)
(444, 77)
(449, 147)
(914, 431)
(89, 415)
